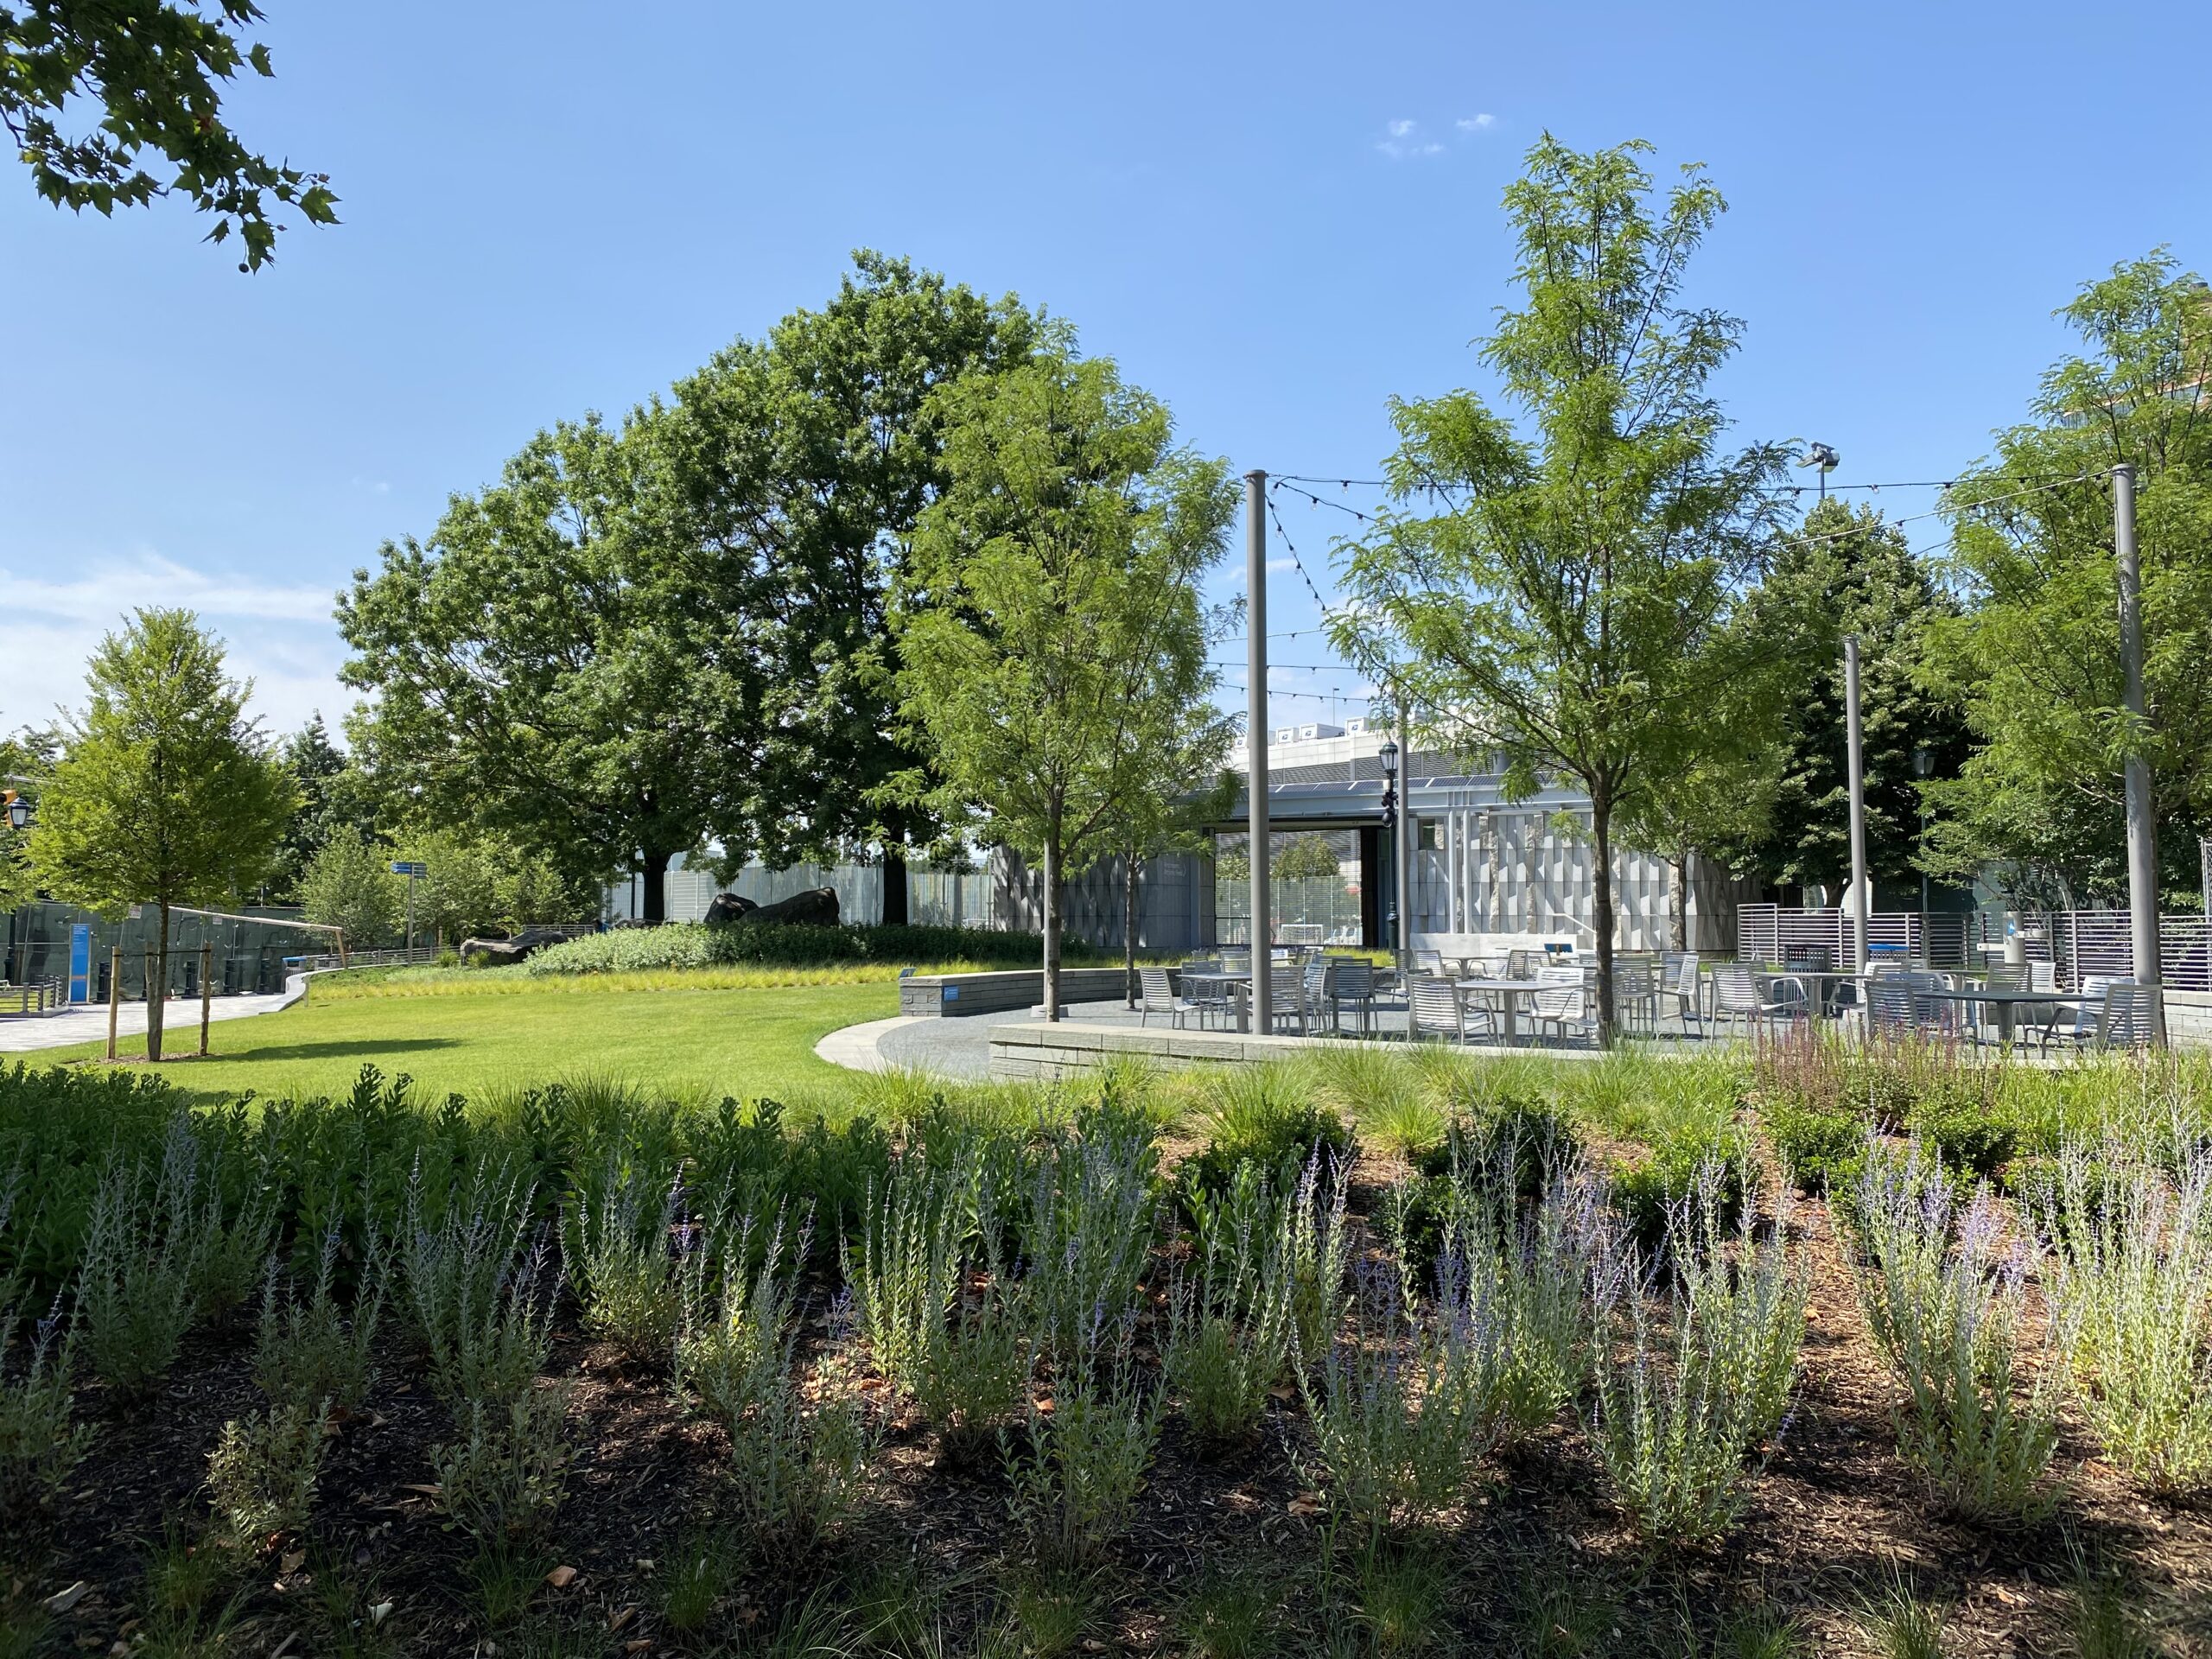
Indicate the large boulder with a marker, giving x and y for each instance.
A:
(498, 953)
(727, 908)
(815, 907)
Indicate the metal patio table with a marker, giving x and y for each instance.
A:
(1234, 990)
(1508, 993)
(2007, 1003)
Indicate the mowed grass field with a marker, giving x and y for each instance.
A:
(686, 1037)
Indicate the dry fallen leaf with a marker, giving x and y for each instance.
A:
(637, 1646)
(1306, 1503)
(378, 1614)
(427, 1491)
(561, 1577)
(293, 1562)
(62, 1601)
(620, 1619)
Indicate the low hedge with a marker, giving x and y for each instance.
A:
(694, 945)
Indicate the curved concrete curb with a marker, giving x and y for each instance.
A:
(854, 1047)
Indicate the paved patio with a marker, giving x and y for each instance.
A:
(24, 1033)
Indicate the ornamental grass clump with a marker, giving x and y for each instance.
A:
(1945, 1291)
(1691, 1380)
(2130, 1275)
(480, 1289)
(1403, 1402)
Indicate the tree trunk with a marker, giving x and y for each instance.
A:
(1129, 929)
(1601, 832)
(157, 987)
(655, 872)
(1053, 917)
(895, 904)
(1681, 898)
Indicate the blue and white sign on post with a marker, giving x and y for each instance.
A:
(80, 962)
(414, 872)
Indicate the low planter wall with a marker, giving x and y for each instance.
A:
(950, 994)
(1034, 1049)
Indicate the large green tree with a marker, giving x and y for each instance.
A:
(335, 796)
(167, 792)
(1556, 610)
(1049, 613)
(546, 664)
(25, 760)
(2036, 656)
(157, 70)
(1847, 570)
(348, 885)
(804, 460)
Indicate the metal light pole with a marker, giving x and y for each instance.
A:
(1256, 735)
(2142, 829)
(1860, 898)
(1388, 756)
(1405, 849)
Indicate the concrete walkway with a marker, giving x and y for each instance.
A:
(21, 1034)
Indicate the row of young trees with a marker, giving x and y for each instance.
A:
(1586, 579)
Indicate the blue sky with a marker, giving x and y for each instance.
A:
(1275, 217)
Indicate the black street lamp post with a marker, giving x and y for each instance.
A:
(1388, 756)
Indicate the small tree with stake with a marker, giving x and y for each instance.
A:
(1555, 613)
(1052, 638)
(166, 793)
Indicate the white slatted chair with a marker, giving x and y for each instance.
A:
(1158, 997)
(1432, 1006)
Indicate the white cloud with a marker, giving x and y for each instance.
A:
(1403, 143)
(1482, 123)
(1281, 567)
(280, 636)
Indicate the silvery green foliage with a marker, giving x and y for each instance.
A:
(1079, 1461)
(39, 1443)
(136, 1295)
(620, 1229)
(2130, 1276)
(479, 1288)
(1089, 1230)
(1308, 1264)
(1535, 1271)
(1403, 1402)
(1229, 1325)
(310, 1350)
(261, 1476)
(503, 1479)
(1944, 1289)
(1692, 1377)
(799, 1451)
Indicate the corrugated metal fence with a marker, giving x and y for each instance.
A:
(2079, 943)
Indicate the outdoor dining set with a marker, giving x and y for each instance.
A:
(1551, 996)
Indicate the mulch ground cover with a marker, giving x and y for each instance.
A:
(1540, 1564)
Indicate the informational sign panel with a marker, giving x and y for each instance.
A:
(80, 962)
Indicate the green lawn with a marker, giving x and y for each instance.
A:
(685, 1041)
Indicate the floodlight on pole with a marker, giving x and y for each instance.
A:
(1824, 459)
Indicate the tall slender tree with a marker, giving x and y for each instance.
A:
(166, 793)
(1553, 609)
(1049, 625)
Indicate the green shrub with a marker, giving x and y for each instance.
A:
(1968, 1130)
(307, 1352)
(502, 1481)
(262, 1474)
(1819, 1147)
(1077, 1469)
(694, 945)
(39, 1444)
(1685, 1173)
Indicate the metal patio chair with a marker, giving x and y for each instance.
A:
(1158, 997)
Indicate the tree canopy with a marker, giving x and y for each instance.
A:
(2035, 655)
(157, 70)
(166, 792)
(1049, 624)
(1560, 608)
